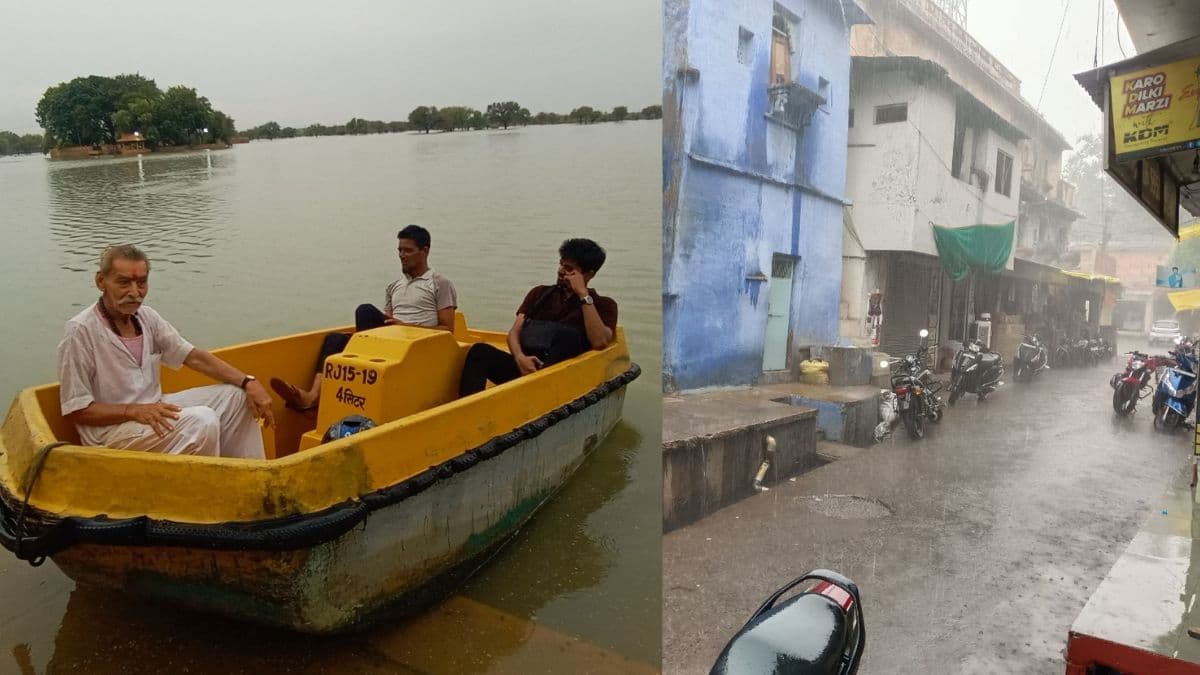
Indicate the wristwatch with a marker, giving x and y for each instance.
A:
(248, 379)
(587, 300)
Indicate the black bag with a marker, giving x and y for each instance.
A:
(550, 341)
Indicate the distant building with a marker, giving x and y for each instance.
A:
(131, 143)
(940, 135)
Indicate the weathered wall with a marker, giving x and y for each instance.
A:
(739, 188)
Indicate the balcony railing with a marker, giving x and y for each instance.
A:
(793, 104)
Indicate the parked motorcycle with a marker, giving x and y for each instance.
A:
(1062, 350)
(1133, 385)
(975, 371)
(1176, 393)
(916, 391)
(1081, 353)
(818, 631)
(1031, 358)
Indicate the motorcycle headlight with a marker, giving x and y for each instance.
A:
(1139, 364)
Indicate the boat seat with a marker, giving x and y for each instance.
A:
(388, 373)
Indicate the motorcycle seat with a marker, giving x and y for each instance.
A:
(989, 359)
(805, 635)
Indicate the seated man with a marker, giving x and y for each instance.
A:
(554, 323)
(108, 370)
(421, 297)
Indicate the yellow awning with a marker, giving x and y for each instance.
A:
(1190, 230)
(1185, 300)
(1092, 277)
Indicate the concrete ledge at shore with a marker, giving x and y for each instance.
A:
(86, 151)
(713, 445)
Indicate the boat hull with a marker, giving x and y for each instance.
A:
(399, 560)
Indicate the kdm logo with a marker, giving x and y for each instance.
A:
(1147, 134)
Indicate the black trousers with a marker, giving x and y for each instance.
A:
(366, 317)
(485, 362)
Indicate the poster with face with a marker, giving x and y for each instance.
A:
(1173, 276)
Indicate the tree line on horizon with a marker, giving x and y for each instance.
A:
(425, 119)
(13, 144)
(97, 110)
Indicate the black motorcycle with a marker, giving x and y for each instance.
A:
(916, 391)
(1062, 350)
(975, 371)
(1031, 358)
(817, 631)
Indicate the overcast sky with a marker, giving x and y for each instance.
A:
(300, 62)
(1021, 34)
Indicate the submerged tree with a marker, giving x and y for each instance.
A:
(424, 117)
(504, 113)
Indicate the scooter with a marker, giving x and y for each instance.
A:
(1031, 358)
(1176, 395)
(975, 371)
(817, 631)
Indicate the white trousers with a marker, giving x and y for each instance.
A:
(215, 420)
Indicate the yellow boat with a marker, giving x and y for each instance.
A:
(319, 537)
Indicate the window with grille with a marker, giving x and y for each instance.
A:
(889, 114)
(782, 266)
(1004, 167)
(745, 52)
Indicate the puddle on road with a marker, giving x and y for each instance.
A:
(847, 507)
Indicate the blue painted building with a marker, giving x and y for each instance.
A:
(755, 119)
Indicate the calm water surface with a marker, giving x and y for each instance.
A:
(278, 237)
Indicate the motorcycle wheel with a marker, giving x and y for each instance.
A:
(955, 395)
(915, 425)
(1125, 399)
(1167, 420)
(982, 397)
(1019, 372)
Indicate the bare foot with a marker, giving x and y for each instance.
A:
(295, 399)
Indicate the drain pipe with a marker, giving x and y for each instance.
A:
(766, 464)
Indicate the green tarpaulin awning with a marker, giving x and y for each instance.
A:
(976, 247)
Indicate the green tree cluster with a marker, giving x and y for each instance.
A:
(12, 144)
(355, 127)
(96, 110)
(427, 118)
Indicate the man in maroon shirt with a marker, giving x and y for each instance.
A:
(554, 323)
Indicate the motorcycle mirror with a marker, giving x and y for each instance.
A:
(924, 333)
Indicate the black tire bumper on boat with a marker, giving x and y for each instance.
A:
(32, 535)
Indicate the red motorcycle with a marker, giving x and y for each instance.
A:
(1133, 385)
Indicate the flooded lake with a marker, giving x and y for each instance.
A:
(278, 237)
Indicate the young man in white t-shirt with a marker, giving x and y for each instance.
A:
(420, 297)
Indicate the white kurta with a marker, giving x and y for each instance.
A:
(94, 366)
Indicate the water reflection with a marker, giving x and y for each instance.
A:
(465, 634)
(176, 207)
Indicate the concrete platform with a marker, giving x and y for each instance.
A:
(844, 414)
(1139, 617)
(713, 445)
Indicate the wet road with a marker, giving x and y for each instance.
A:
(995, 530)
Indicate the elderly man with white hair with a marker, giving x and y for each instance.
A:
(108, 371)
